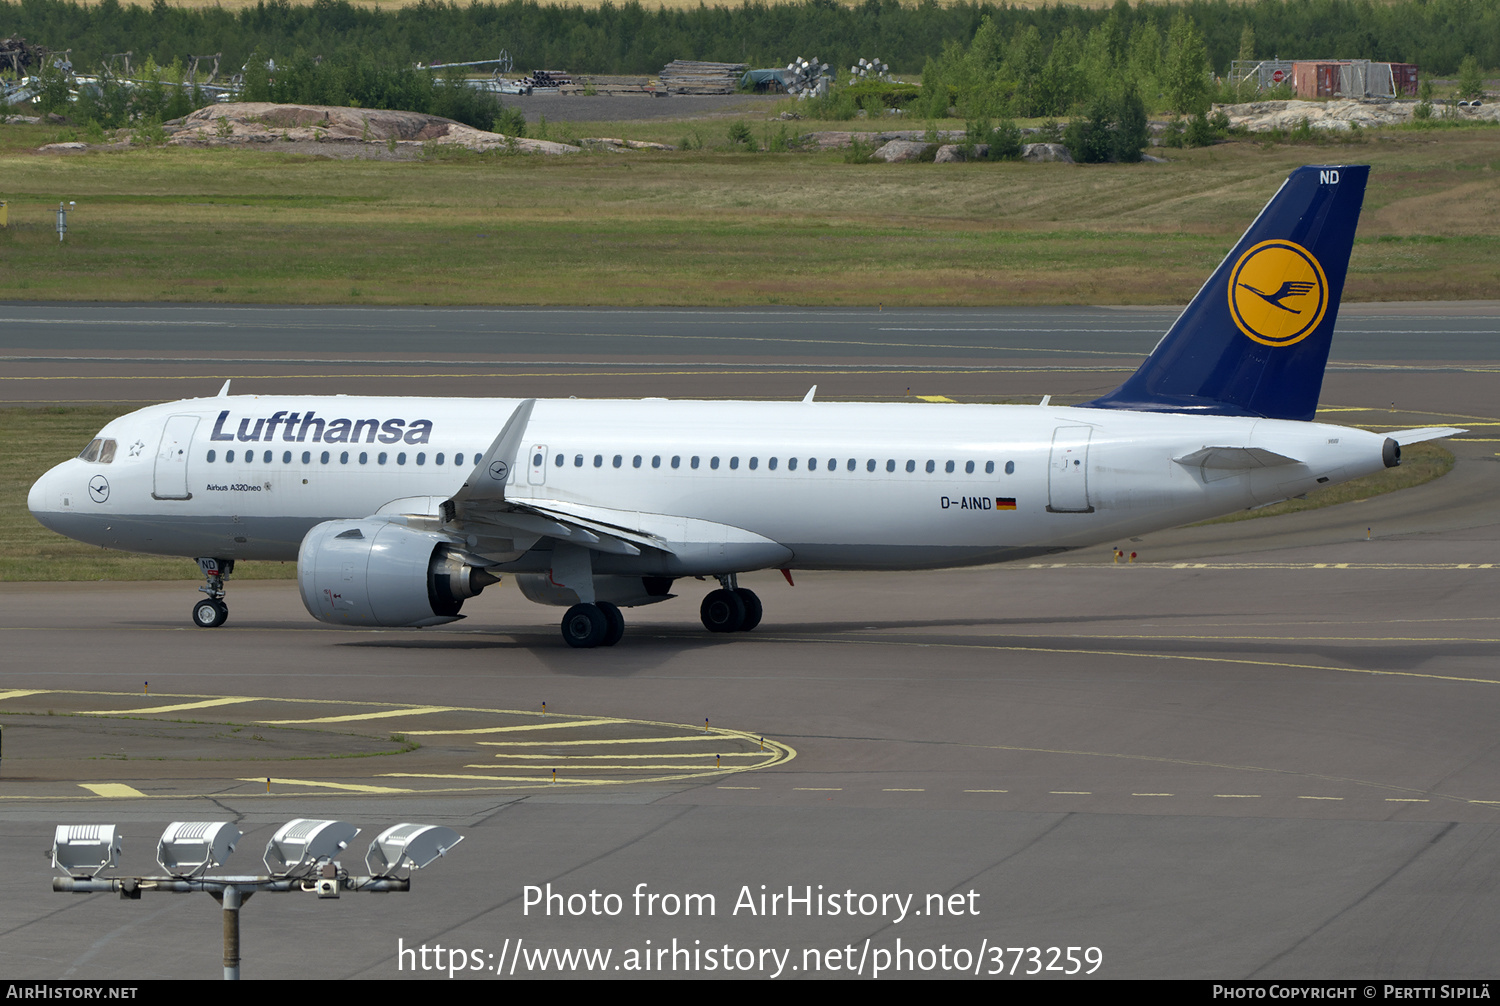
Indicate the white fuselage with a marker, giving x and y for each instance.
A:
(838, 485)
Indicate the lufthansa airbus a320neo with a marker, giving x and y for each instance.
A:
(399, 510)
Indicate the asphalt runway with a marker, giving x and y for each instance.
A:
(1264, 750)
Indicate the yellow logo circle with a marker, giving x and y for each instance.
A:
(1277, 293)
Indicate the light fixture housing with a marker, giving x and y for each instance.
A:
(413, 845)
(85, 850)
(190, 847)
(305, 842)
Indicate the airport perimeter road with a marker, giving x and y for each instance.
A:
(1266, 750)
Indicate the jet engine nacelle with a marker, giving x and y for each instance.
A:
(374, 572)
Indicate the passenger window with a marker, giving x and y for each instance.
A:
(851, 464)
(458, 458)
(421, 458)
(890, 464)
(324, 458)
(598, 460)
(968, 468)
(307, 457)
(734, 463)
(211, 456)
(754, 463)
(617, 460)
(267, 458)
(771, 464)
(343, 457)
(791, 464)
(578, 461)
(380, 458)
(635, 462)
(557, 462)
(931, 467)
(694, 462)
(439, 459)
(364, 457)
(949, 469)
(656, 461)
(713, 462)
(676, 461)
(911, 466)
(286, 457)
(229, 457)
(870, 465)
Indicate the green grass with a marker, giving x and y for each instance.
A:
(712, 227)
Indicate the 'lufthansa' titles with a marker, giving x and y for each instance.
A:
(300, 427)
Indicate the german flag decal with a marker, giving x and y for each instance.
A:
(1005, 502)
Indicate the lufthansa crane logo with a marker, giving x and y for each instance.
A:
(499, 471)
(98, 488)
(1277, 293)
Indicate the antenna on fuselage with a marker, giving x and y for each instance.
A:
(224, 391)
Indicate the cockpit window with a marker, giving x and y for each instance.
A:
(91, 452)
(107, 452)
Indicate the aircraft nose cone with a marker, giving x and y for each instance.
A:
(39, 500)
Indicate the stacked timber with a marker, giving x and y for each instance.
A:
(547, 78)
(690, 76)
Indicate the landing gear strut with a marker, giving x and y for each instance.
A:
(586, 626)
(212, 612)
(731, 608)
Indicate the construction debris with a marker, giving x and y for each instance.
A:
(688, 76)
(21, 57)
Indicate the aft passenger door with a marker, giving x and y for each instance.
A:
(172, 458)
(1068, 471)
(536, 473)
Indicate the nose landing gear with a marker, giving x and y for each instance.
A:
(212, 612)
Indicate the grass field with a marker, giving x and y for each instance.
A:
(235, 5)
(711, 226)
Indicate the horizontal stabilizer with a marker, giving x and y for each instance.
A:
(1235, 458)
(1417, 436)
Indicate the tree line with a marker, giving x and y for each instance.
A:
(631, 39)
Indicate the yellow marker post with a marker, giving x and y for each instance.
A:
(544, 709)
(705, 724)
(554, 777)
(145, 688)
(717, 761)
(268, 785)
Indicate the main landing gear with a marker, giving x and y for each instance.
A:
(731, 608)
(586, 626)
(212, 612)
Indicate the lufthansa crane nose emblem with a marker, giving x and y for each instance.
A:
(98, 488)
(499, 471)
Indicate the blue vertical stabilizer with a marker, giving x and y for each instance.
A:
(1255, 340)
